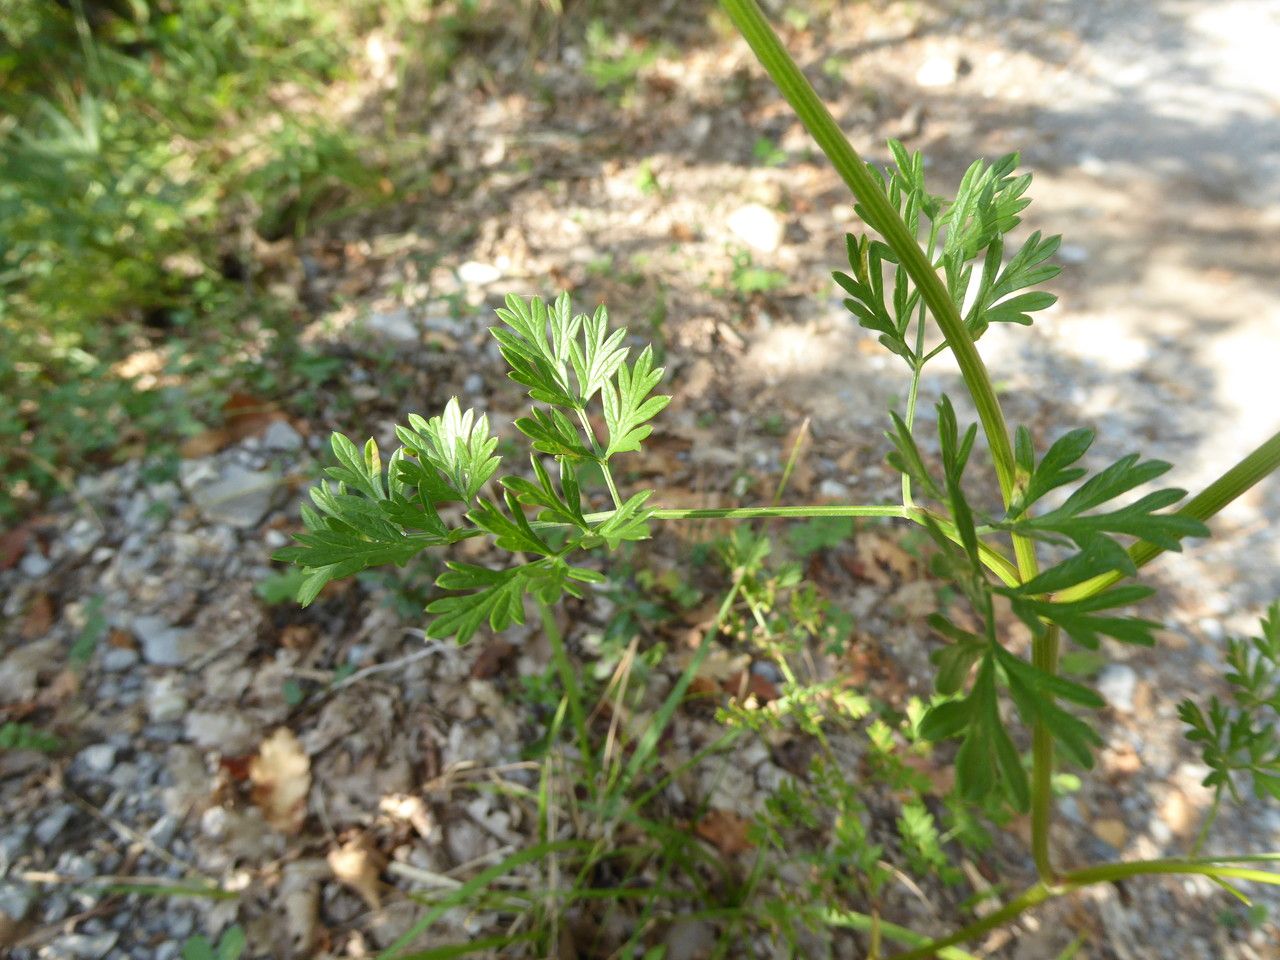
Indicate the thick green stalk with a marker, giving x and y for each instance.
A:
(1076, 879)
(773, 513)
(864, 923)
(1260, 462)
(1044, 654)
(1032, 897)
(880, 213)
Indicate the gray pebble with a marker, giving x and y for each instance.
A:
(97, 760)
(1117, 683)
(86, 946)
(162, 831)
(116, 659)
(55, 907)
(12, 841)
(281, 436)
(126, 776)
(35, 564)
(162, 644)
(16, 900)
(180, 925)
(51, 827)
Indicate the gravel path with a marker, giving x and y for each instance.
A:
(131, 623)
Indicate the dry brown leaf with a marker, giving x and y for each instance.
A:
(878, 557)
(245, 416)
(13, 544)
(121, 639)
(402, 806)
(725, 830)
(39, 617)
(746, 683)
(300, 901)
(490, 661)
(357, 864)
(281, 775)
(64, 686)
(297, 636)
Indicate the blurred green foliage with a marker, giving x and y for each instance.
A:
(142, 143)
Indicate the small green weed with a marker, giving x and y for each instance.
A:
(23, 736)
(767, 153)
(747, 279)
(230, 947)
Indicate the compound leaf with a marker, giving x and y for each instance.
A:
(627, 406)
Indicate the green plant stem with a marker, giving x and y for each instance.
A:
(608, 482)
(1261, 461)
(770, 513)
(1203, 833)
(1044, 654)
(1029, 898)
(1070, 882)
(864, 923)
(600, 457)
(877, 211)
(569, 682)
(912, 395)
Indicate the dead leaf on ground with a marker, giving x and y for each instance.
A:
(490, 661)
(39, 617)
(64, 686)
(13, 544)
(746, 683)
(357, 864)
(725, 830)
(121, 639)
(300, 901)
(297, 636)
(281, 775)
(879, 560)
(411, 808)
(244, 416)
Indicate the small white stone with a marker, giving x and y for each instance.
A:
(35, 564)
(162, 644)
(116, 659)
(833, 489)
(281, 436)
(937, 71)
(394, 325)
(1072, 253)
(1117, 683)
(51, 827)
(98, 759)
(757, 226)
(479, 274)
(239, 497)
(166, 701)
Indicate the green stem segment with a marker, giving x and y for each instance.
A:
(875, 208)
(1076, 879)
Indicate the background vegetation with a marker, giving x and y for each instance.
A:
(162, 163)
